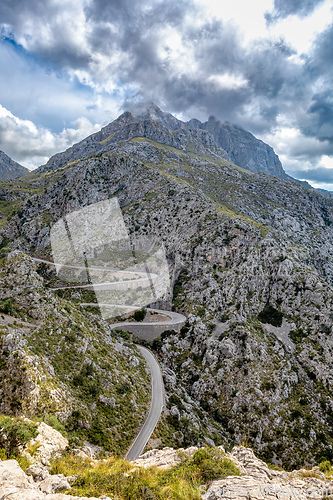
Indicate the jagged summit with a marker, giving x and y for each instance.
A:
(226, 140)
(10, 169)
(242, 147)
(144, 111)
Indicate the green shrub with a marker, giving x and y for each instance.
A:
(140, 314)
(270, 315)
(6, 306)
(14, 433)
(210, 463)
(297, 335)
(325, 466)
(201, 312)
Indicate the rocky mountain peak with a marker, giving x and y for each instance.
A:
(227, 140)
(242, 147)
(153, 112)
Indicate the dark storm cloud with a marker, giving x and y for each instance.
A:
(212, 72)
(285, 8)
(30, 20)
(14, 12)
(320, 117)
(134, 32)
(318, 121)
(274, 83)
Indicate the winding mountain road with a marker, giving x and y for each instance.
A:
(156, 406)
(175, 319)
(157, 395)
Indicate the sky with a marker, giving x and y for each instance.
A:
(69, 67)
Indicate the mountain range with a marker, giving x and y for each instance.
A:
(249, 252)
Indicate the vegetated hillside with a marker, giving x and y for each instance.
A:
(56, 359)
(10, 169)
(250, 263)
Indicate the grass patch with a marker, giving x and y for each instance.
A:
(118, 478)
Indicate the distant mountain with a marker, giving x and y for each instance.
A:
(250, 263)
(10, 169)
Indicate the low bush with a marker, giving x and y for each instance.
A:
(271, 316)
(325, 466)
(15, 432)
(139, 315)
(118, 478)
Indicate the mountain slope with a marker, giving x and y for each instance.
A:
(9, 169)
(250, 261)
(56, 359)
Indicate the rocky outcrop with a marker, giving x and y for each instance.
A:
(35, 484)
(48, 442)
(164, 458)
(258, 482)
(10, 169)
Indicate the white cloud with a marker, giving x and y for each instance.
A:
(31, 145)
(301, 32)
(248, 16)
(228, 81)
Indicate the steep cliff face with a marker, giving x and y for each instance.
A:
(10, 169)
(244, 149)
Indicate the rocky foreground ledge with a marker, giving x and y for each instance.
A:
(256, 481)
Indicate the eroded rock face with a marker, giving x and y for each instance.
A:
(165, 458)
(50, 443)
(244, 149)
(10, 169)
(258, 482)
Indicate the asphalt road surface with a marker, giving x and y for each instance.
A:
(175, 319)
(156, 407)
